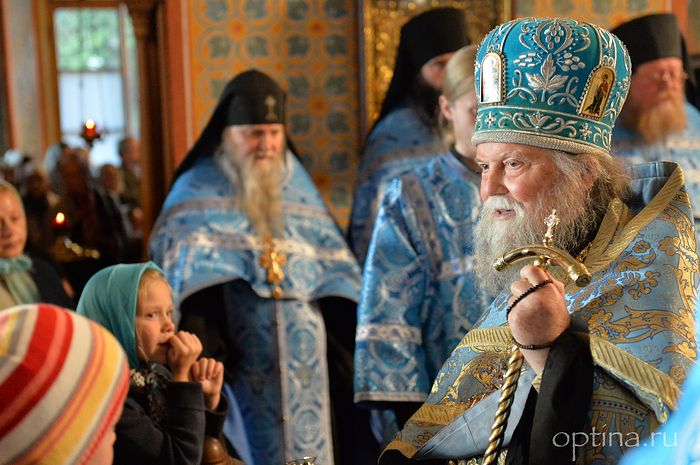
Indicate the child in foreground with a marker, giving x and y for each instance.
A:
(174, 396)
(62, 387)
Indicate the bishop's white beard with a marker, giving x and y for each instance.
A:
(260, 191)
(493, 238)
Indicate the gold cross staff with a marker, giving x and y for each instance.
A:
(273, 261)
(544, 255)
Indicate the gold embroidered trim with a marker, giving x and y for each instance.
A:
(601, 254)
(440, 414)
(537, 382)
(402, 446)
(581, 257)
(625, 366)
(612, 221)
(482, 338)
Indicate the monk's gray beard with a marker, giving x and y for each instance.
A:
(659, 118)
(261, 192)
(493, 238)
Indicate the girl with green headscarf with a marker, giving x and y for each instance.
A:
(174, 397)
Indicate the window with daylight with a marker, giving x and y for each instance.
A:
(96, 77)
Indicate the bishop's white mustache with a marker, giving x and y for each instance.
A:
(499, 203)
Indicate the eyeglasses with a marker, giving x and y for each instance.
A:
(666, 76)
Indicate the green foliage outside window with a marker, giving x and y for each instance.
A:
(87, 39)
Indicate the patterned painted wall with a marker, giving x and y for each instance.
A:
(310, 48)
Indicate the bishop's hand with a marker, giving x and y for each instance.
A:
(538, 317)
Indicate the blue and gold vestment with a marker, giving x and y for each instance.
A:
(637, 317)
(682, 148)
(418, 295)
(202, 239)
(400, 141)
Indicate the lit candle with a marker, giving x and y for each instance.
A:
(90, 128)
(59, 220)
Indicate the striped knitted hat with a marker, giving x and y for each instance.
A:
(63, 380)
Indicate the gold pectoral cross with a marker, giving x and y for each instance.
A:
(273, 261)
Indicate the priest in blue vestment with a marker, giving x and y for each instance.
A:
(418, 293)
(604, 363)
(262, 274)
(405, 134)
(657, 121)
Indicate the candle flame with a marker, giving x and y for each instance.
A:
(60, 218)
(89, 124)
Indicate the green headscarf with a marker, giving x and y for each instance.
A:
(14, 272)
(110, 299)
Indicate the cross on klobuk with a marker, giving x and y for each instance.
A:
(270, 103)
